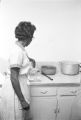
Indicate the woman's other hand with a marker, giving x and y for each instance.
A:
(34, 71)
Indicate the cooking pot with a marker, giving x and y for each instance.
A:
(48, 70)
(70, 68)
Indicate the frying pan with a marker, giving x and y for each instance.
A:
(48, 70)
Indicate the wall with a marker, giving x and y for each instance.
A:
(58, 22)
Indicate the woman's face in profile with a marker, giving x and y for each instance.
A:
(27, 42)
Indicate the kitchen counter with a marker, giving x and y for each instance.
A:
(58, 80)
(55, 96)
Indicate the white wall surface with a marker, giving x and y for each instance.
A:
(58, 22)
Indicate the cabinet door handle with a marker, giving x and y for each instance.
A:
(44, 92)
(57, 110)
(0, 85)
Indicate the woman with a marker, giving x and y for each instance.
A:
(20, 66)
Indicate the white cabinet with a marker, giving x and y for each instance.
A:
(52, 103)
(66, 96)
(43, 108)
(64, 106)
(43, 103)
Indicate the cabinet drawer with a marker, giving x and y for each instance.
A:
(43, 91)
(68, 91)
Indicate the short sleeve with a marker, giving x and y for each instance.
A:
(16, 59)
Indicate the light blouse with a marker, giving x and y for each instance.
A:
(19, 58)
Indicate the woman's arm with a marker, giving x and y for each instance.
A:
(16, 85)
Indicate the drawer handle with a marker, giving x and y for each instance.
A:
(67, 95)
(44, 92)
(74, 92)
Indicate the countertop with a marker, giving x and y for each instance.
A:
(58, 79)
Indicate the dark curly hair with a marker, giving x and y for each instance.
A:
(24, 30)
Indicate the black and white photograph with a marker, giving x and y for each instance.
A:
(40, 59)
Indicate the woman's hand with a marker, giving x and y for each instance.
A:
(25, 105)
(34, 71)
(32, 62)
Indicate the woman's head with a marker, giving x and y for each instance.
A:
(24, 31)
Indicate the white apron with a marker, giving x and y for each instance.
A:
(25, 88)
(10, 107)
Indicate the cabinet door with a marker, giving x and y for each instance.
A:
(64, 107)
(65, 100)
(43, 108)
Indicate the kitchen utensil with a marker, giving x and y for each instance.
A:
(47, 76)
(70, 68)
(48, 70)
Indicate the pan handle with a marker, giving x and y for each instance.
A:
(80, 67)
(47, 76)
